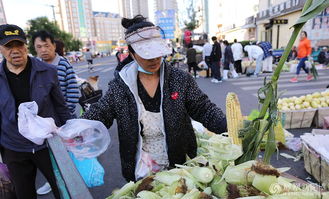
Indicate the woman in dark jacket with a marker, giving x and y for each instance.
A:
(153, 104)
(191, 59)
(228, 60)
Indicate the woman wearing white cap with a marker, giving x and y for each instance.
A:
(153, 104)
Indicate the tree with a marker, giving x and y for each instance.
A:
(42, 23)
(193, 21)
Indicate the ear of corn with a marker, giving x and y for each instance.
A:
(234, 117)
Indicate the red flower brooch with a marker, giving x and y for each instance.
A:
(174, 95)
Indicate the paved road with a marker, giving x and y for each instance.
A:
(245, 87)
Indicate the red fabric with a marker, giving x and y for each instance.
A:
(187, 36)
(304, 48)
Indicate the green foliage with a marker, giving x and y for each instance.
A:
(193, 22)
(42, 23)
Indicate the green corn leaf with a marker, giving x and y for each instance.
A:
(316, 7)
(270, 145)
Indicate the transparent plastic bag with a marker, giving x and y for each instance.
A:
(146, 166)
(85, 138)
(32, 126)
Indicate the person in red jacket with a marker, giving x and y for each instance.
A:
(304, 51)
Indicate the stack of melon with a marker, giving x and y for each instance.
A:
(310, 101)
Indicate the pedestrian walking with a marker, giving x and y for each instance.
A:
(206, 52)
(89, 58)
(304, 51)
(268, 56)
(237, 51)
(215, 58)
(153, 103)
(191, 60)
(26, 79)
(45, 46)
(228, 61)
(255, 53)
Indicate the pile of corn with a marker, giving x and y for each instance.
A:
(212, 173)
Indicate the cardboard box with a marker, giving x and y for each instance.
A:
(298, 118)
(315, 161)
(319, 117)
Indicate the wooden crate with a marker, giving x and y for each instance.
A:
(297, 118)
(320, 115)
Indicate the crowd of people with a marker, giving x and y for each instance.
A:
(223, 57)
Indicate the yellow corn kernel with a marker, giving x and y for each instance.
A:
(234, 117)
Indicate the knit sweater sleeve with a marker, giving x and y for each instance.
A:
(201, 109)
(68, 84)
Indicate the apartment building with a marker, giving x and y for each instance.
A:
(76, 17)
(108, 30)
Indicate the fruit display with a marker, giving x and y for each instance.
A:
(309, 101)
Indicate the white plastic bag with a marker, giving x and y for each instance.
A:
(203, 65)
(32, 126)
(308, 64)
(85, 138)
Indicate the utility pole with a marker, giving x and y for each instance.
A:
(53, 8)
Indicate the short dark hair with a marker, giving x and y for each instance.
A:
(214, 38)
(190, 45)
(59, 47)
(235, 40)
(305, 33)
(44, 35)
(225, 42)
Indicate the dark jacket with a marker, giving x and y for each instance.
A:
(216, 53)
(228, 57)
(191, 55)
(181, 100)
(45, 91)
(322, 57)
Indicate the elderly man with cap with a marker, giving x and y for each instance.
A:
(153, 104)
(25, 79)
